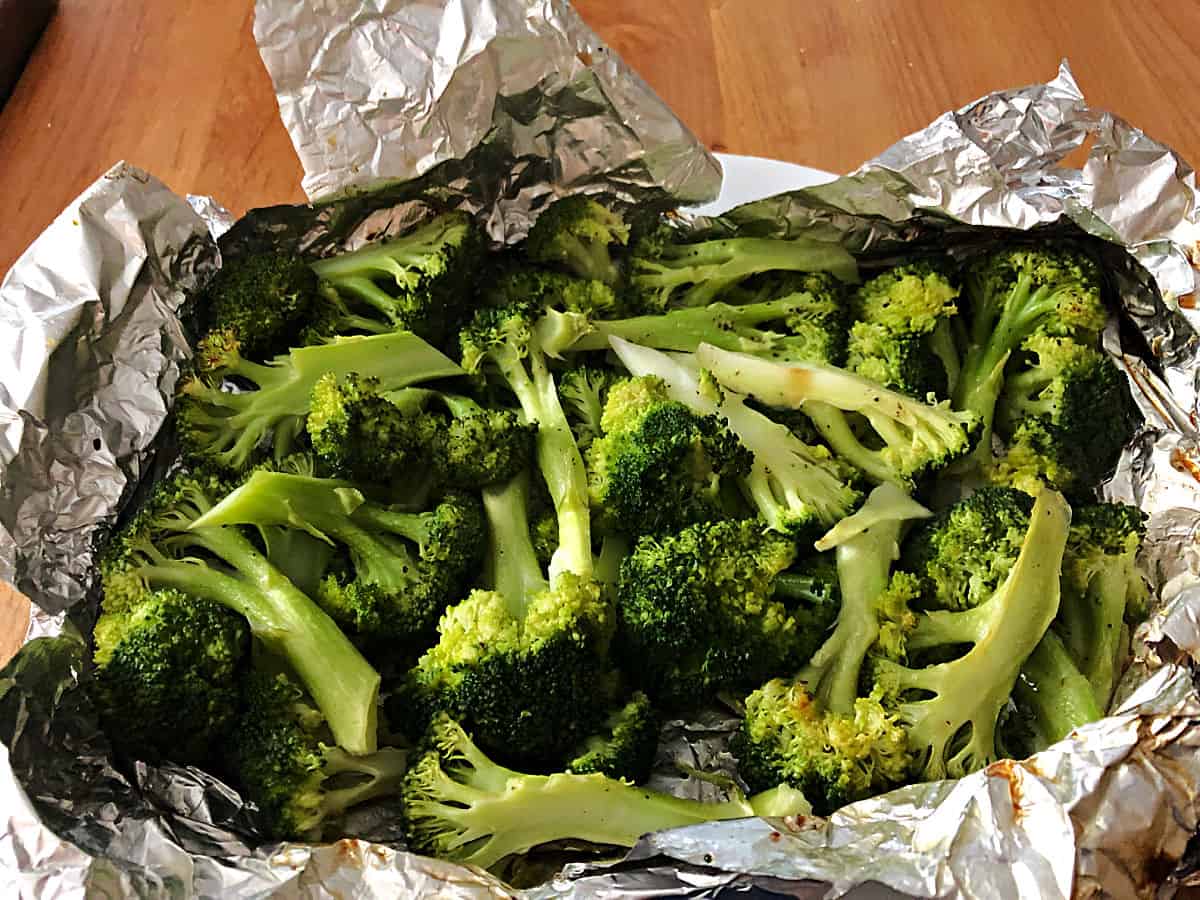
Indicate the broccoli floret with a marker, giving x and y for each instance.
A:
(914, 437)
(697, 613)
(552, 290)
(1065, 418)
(659, 466)
(461, 806)
(796, 488)
(227, 428)
(584, 390)
(833, 758)
(261, 301)
(418, 282)
(524, 662)
(810, 591)
(668, 271)
(1102, 589)
(786, 316)
(902, 337)
(282, 753)
(369, 436)
(626, 745)
(167, 673)
(951, 709)
(1010, 295)
(405, 567)
(964, 554)
(162, 547)
(578, 233)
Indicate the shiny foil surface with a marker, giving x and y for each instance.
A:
(497, 107)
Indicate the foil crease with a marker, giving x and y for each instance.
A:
(497, 108)
(396, 89)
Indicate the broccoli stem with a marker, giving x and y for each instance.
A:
(941, 342)
(720, 324)
(514, 571)
(342, 683)
(1092, 626)
(1057, 696)
(841, 437)
(864, 562)
(379, 774)
(558, 456)
(999, 327)
(474, 811)
(970, 691)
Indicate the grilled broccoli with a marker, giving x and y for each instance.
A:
(902, 335)
(262, 302)
(404, 568)
(419, 282)
(227, 428)
(791, 316)
(1102, 590)
(668, 271)
(461, 806)
(1051, 698)
(1065, 417)
(584, 390)
(552, 290)
(950, 709)
(167, 671)
(625, 746)
(1010, 295)
(162, 547)
(525, 661)
(660, 466)
(369, 436)
(697, 611)
(914, 437)
(578, 234)
(283, 754)
(796, 488)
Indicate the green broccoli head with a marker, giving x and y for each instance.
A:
(584, 391)
(261, 301)
(833, 758)
(285, 759)
(625, 745)
(167, 674)
(553, 290)
(660, 466)
(578, 233)
(1066, 417)
(812, 595)
(482, 445)
(963, 555)
(901, 338)
(359, 434)
(532, 687)
(697, 613)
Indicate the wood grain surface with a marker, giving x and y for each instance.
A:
(178, 88)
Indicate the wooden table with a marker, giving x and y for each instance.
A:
(179, 89)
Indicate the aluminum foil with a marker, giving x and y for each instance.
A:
(496, 108)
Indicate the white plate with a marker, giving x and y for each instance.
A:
(752, 178)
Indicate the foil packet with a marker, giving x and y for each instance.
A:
(498, 107)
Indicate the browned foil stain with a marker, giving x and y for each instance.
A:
(1012, 773)
(1183, 461)
(1187, 301)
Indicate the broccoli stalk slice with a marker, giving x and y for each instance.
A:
(1055, 696)
(376, 775)
(516, 575)
(954, 727)
(867, 543)
(790, 483)
(462, 806)
(740, 328)
(228, 427)
(341, 682)
(709, 267)
(916, 436)
(523, 366)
